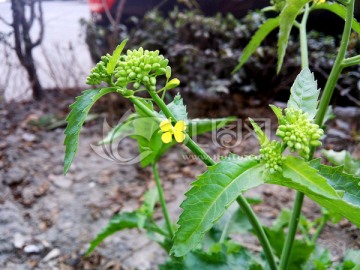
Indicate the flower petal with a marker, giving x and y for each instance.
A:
(179, 136)
(180, 126)
(165, 125)
(166, 137)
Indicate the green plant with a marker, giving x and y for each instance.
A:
(198, 241)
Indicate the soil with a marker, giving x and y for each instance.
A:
(47, 219)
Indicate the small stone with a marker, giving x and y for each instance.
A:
(52, 255)
(28, 196)
(19, 240)
(60, 181)
(15, 176)
(32, 249)
(28, 137)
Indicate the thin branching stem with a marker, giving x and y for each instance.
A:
(323, 106)
(162, 200)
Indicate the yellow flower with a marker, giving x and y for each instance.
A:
(168, 130)
(318, 2)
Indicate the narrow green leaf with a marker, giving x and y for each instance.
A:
(287, 18)
(265, 29)
(75, 120)
(115, 57)
(299, 175)
(209, 197)
(259, 133)
(119, 222)
(304, 93)
(278, 112)
(151, 197)
(339, 10)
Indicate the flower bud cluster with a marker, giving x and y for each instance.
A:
(140, 68)
(299, 132)
(270, 154)
(99, 73)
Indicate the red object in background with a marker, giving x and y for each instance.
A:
(98, 6)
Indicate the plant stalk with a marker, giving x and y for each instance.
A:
(323, 106)
(338, 66)
(162, 200)
(295, 216)
(259, 231)
(351, 61)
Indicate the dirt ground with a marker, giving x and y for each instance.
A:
(47, 219)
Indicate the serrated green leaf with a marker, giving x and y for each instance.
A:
(304, 93)
(351, 165)
(259, 133)
(264, 30)
(75, 120)
(287, 18)
(119, 222)
(177, 108)
(227, 256)
(339, 10)
(299, 175)
(340, 181)
(115, 57)
(209, 197)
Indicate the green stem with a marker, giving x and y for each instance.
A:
(303, 38)
(259, 231)
(324, 103)
(294, 221)
(199, 152)
(162, 200)
(351, 61)
(324, 220)
(337, 68)
(295, 217)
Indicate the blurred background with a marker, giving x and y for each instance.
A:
(47, 49)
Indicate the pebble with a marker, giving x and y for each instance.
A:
(60, 180)
(19, 240)
(28, 137)
(52, 255)
(15, 176)
(32, 249)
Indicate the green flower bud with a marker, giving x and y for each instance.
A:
(136, 85)
(146, 79)
(132, 75)
(152, 80)
(172, 84)
(298, 131)
(270, 154)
